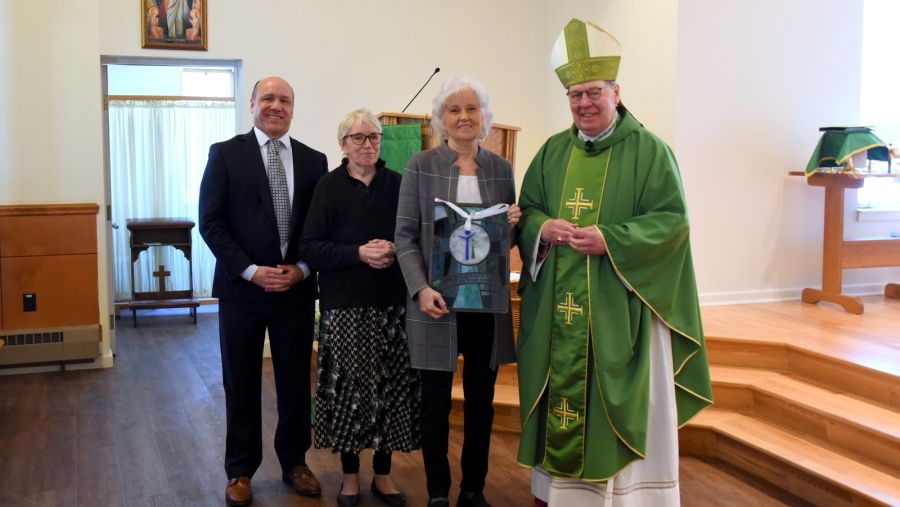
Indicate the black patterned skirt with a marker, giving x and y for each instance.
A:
(367, 396)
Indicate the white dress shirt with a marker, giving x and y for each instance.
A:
(287, 160)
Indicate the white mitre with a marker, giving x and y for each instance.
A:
(585, 52)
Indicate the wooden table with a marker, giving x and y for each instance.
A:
(840, 253)
(174, 232)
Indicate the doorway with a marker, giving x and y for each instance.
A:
(160, 117)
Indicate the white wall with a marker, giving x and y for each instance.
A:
(50, 119)
(374, 55)
(50, 112)
(755, 82)
(7, 22)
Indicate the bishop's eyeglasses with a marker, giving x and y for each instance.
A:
(361, 138)
(593, 94)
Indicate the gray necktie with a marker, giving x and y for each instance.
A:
(279, 188)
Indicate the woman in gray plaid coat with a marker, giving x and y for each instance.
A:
(459, 171)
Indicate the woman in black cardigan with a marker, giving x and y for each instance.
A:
(366, 396)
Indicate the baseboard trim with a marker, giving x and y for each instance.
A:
(105, 361)
(775, 295)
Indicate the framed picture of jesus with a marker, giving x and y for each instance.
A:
(173, 24)
(470, 261)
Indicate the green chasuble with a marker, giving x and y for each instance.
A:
(584, 338)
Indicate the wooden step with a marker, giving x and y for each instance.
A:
(506, 398)
(811, 469)
(823, 428)
(507, 374)
(868, 370)
(865, 428)
(506, 407)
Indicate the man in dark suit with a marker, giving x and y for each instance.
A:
(253, 200)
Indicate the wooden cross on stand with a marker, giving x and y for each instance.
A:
(162, 274)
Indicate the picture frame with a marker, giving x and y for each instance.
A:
(470, 269)
(174, 24)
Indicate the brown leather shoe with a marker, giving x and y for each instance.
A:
(238, 491)
(303, 480)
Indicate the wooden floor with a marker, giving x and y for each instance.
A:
(150, 432)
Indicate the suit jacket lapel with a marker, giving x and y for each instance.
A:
(298, 187)
(258, 173)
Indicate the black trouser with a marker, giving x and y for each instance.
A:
(381, 463)
(242, 334)
(475, 332)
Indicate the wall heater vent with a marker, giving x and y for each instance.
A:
(49, 345)
(32, 338)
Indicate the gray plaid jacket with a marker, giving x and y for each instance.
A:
(430, 174)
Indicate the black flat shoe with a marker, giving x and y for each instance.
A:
(441, 501)
(347, 500)
(393, 500)
(477, 500)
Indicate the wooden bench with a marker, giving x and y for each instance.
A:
(157, 304)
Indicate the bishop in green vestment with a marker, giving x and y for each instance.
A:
(605, 241)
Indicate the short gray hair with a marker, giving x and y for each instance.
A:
(361, 115)
(451, 87)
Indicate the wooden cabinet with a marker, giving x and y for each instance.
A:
(49, 251)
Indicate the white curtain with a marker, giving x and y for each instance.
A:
(158, 151)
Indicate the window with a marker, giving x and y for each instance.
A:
(879, 105)
(196, 82)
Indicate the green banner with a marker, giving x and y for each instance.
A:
(400, 143)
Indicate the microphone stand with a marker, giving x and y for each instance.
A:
(438, 69)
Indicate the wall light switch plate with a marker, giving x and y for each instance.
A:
(29, 302)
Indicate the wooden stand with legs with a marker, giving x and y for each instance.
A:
(840, 253)
(174, 232)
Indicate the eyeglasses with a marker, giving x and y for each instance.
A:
(361, 138)
(593, 94)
